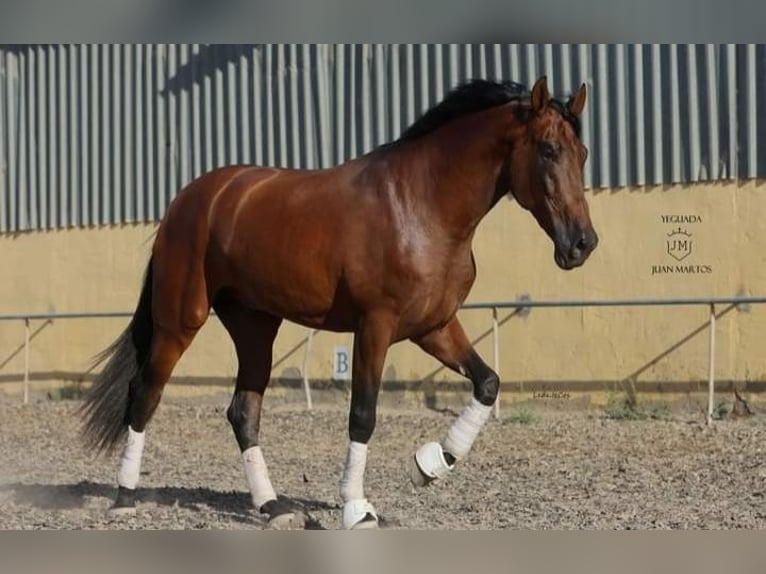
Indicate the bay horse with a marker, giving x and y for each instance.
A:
(379, 246)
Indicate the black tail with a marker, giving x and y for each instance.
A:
(107, 402)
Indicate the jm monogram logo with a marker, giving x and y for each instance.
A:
(679, 244)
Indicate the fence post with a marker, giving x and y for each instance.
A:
(711, 367)
(26, 360)
(306, 387)
(496, 355)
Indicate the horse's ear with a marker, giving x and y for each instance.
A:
(576, 103)
(540, 95)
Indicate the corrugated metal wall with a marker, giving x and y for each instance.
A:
(96, 134)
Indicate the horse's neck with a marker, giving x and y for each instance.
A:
(467, 170)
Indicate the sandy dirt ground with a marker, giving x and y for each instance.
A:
(562, 470)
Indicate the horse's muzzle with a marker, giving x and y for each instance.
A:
(576, 248)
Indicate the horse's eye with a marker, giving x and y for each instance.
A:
(547, 151)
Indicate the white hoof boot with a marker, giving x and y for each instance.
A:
(428, 464)
(359, 514)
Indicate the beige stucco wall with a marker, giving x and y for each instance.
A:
(101, 269)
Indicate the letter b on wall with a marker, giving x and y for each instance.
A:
(341, 362)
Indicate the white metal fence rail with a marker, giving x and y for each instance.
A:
(709, 302)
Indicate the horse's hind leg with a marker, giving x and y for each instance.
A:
(179, 312)
(451, 346)
(253, 334)
(166, 349)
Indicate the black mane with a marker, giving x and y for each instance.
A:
(475, 96)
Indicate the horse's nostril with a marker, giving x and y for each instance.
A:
(582, 245)
(587, 242)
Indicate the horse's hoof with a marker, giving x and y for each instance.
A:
(288, 521)
(282, 516)
(417, 477)
(125, 503)
(359, 515)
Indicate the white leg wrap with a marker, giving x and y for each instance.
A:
(355, 505)
(130, 463)
(352, 483)
(257, 475)
(466, 428)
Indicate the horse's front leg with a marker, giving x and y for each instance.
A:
(371, 341)
(450, 345)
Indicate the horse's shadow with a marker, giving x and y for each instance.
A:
(235, 505)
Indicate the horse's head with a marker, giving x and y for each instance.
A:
(546, 174)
